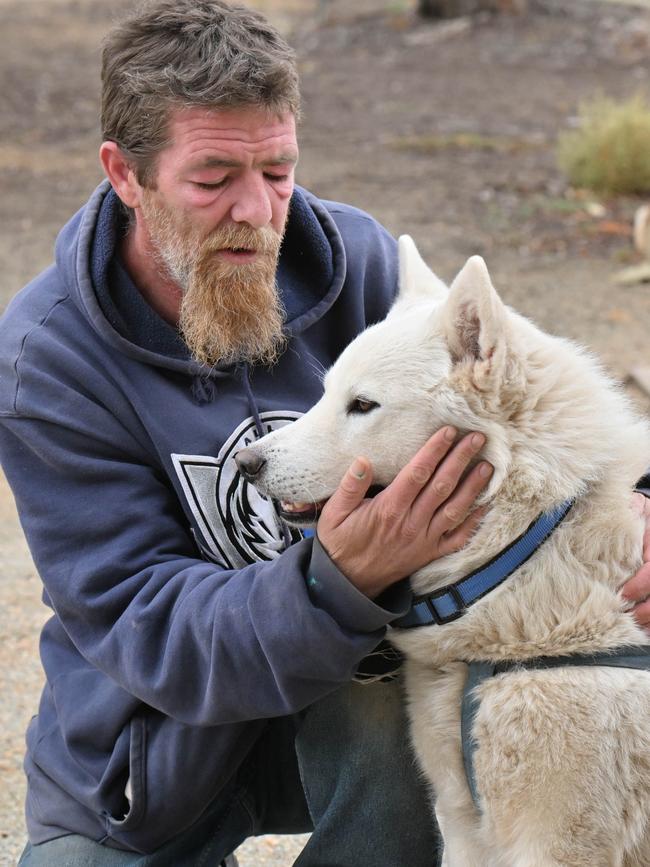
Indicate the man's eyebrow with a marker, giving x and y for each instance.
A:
(215, 163)
(225, 163)
(282, 160)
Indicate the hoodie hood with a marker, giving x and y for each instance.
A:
(311, 272)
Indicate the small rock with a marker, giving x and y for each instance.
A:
(633, 274)
(595, 209)
(439, 32)
(642, 230)
(640, 376)
(618, 316)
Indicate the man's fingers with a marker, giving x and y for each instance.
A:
(352, 490)
(458, 538)
(641, 614)
(638, 587)
(646, 534)
(443, 484)
(641, 505)
(453, 512)
(410, 480)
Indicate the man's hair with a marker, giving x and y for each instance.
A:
(186, 53)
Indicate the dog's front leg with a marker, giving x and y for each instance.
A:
(461, 850)
(434, 698)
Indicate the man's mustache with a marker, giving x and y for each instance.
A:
(265, 241)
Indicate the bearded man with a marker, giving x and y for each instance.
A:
(200, 654)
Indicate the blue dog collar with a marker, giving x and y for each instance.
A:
(450, 602)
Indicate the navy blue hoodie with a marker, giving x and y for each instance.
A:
(182, 617)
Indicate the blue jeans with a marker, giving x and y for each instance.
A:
(342, 769)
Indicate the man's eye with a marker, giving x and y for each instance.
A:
(278, 178)
(213, 185)
(361, 405)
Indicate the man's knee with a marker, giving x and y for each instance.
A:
(358, 738)
(75, 851)
(371, 715)
(363, 787)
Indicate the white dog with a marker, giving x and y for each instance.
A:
(562, 754)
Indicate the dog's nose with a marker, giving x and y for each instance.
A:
(249, 463)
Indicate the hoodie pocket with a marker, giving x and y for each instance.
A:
(137, 777)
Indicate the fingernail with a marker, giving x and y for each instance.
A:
(486, 470)
(450, 434)
(477, 440)
(358, 469)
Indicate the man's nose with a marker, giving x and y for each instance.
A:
(249, 463)
(253, 203)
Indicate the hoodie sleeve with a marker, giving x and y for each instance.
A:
(202, 645)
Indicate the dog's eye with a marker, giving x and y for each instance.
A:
(361, 405)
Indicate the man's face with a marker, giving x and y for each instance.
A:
(214, 224)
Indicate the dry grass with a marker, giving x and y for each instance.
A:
(610, 151)
(434, 142)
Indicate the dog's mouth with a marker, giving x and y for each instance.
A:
(307, 514)
(300, 514)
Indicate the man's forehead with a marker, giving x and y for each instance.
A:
(204, 132)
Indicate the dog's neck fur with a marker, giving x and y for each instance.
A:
(566, 436)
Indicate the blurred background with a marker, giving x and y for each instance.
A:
(517, 129)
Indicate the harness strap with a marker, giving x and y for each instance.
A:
(624, 657)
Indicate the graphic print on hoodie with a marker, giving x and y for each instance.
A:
(238, 525)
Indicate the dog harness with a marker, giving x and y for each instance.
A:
(623, 657)
(452, 601)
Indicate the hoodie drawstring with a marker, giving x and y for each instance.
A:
(246, 382)
(244, 372)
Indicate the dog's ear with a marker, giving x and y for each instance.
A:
(416, 280)
(475, 319)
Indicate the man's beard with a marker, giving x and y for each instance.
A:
(229, 312)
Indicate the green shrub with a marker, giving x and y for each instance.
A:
(610, 151)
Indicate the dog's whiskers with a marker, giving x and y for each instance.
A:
(318, 368)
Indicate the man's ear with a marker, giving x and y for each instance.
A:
(120, 173)
(475, 319)
(416, 280)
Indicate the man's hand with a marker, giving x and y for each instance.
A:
(421, 516)
(637, 589)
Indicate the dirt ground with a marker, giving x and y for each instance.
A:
(445, 131)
